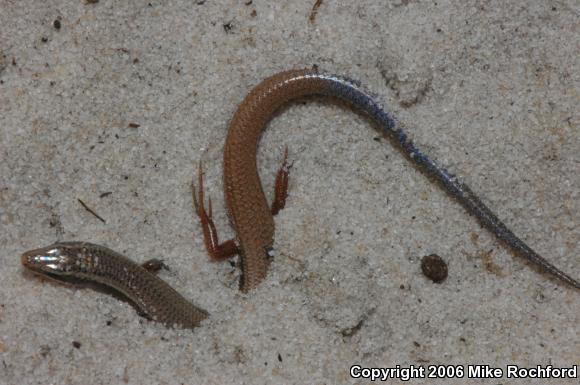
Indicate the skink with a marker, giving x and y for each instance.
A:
(249, 212)
(78, 262)
(251, 216)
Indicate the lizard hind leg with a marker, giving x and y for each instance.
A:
(217, 251)
(281, 185)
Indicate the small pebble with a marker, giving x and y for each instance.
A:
(434, 268)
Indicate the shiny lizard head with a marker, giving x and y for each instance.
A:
(58, 261)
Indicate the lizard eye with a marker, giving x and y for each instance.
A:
(270, 252)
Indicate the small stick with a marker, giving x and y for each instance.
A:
(91, 211)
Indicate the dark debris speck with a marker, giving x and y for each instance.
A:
(434, 268)
(228, 27)
(44, 350)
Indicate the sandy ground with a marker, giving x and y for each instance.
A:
(114, 103)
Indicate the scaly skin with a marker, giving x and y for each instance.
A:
(77, 262)
(248, 209)
(251, 216)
